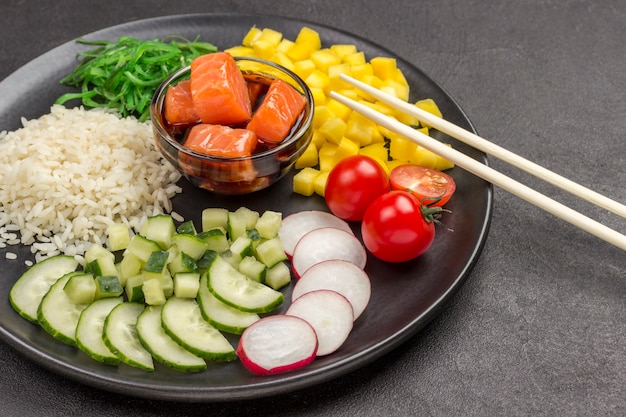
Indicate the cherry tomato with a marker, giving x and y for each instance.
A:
(394, 228)
(424, 183)
(353, 184)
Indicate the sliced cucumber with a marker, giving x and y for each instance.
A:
(222, 316)
(162, 347)
(120, 335)
(182, 320)
(57, 314)
(29, 289)
(237, 290)
(90, 327)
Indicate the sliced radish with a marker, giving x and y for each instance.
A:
(299, 224)
(341, 276)
(327, 243)
(330, 314)
(277, 344)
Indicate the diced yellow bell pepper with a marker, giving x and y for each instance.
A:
(336, 83)
(303, 67)
(284, 45)
(384, 67)
(343, 50)
(326, 156)
(324, 58)
(394, 163)
(240, 51)
(319, 183)
(252, 35)
(321, 115)
(401, 91)
(318, 139)
(423, 157)
(282, 59)
(345, 149)
(319, 96)
(430, 106)
(361, 129)
(333, 129)
(355, 58)
(319, 79)
(339, 109)
(271, 36)
(375, 150)
(441, 164)
(303, 181)
(307, 41)
(401, 148)
(308, 157)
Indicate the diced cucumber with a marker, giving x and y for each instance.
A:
(118, 236)
(156, 264)
(129, 265)
(269, 224)
(162, 347)
(134, 288)
(186, 284)
(101, 266)
(187, 228)
(182, 320)
(81, 288)
(253, 268)
(236, 225)
(142, 247)
(153, 291)
(57, 314)
(159, 229)
(278, 276)
(222, 316)
(182, 263)
(27, 292)
(90, 327)
(107, 286)
(120, 336)
(231, 258)
(216, 239)
(250, 216)
(271, 252)
(190, 244)
(235, 289)
(242, 247)
(214, 217)
(96, 251)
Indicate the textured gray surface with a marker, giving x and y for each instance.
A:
(539, 328)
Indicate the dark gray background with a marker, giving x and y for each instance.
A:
(539, 327)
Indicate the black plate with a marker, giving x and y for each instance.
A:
(405, 297)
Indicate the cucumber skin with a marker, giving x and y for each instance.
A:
(160, 356)
(107, 360)
(42, 272)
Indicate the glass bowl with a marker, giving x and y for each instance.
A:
(222, 174)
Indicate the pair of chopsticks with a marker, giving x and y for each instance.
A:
(485, 172)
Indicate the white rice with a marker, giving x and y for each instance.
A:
(65, 177)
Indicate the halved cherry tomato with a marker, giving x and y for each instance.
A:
(432, 187)
(353, 184)
(394, 228)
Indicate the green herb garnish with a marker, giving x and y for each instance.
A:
(123, 75)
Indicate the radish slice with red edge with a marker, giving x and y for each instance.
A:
(324, 244)
(276, 344)
(299, 224)
(343, 277)
(330, 314)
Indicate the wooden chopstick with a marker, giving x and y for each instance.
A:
(487, 173)
(491, 148)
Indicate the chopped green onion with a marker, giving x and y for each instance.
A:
(123, 75)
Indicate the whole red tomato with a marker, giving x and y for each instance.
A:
(395, 229)
(353, 184)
